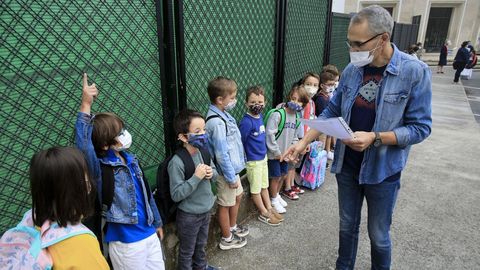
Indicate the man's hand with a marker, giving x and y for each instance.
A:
(160, 232)
(291, 155)
(361, 141)
(89, 93)
(306, 150)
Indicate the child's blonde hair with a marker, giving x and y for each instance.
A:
(220, 87)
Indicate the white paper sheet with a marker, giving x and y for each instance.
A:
(330, 126)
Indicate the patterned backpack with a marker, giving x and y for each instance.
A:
(314, 167)
(25, 246)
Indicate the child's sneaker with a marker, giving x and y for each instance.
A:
(298, 190)
(269, 219)
(278, 206)
(240, 231)
(330, 155)
(290, 194)
(210, 267)
(282, 202)
(276, 214)
(237, 242)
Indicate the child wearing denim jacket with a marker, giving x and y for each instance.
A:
(225, 144)
(252, 130)
(133, 224)
(194, 195)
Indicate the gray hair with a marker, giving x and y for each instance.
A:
(378, 18)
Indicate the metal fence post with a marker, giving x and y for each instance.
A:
(328, 34)
(279, 61)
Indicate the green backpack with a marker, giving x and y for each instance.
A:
(283, 117)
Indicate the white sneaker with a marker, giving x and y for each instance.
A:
(330, 155)
(282, 202)
(278, 206)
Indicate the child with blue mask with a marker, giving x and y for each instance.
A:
(193, 193)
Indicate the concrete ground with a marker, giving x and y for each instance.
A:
(437, 218)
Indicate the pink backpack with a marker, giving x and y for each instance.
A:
(25, 246)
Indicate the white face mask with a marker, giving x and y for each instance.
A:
(231, 105)
(311, 90)
(330, 89)
(125, 139)
(362, 58)
(336, 85)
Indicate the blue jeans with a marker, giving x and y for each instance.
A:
(381, 200)
(192, 231)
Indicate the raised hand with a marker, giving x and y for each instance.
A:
(89, 93)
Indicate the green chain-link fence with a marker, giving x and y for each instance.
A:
(229, 38)
(305, 38)
(45, 48)
(338, 47)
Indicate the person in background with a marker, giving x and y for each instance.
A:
(442, 61)
(461, 60)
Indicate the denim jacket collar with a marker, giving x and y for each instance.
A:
(225, 115)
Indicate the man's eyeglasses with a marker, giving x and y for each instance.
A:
(358, 44)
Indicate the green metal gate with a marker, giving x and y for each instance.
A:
(45, 48)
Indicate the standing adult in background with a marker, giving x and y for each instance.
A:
(461, 60)
(443, 56)
(420, 50)
(385, 96)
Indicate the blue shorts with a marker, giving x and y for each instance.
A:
(277, 168)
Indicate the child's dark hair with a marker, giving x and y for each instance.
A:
(302, 94)
(308, 75)
(256, 89)
(182, 120)
(106, 127)
(60, 184)
(327, 76)
(220, 87)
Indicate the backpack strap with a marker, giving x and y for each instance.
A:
(216, 115)
(187, 162)
(281, 124)
(207, 158)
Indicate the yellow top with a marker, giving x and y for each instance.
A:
(78, 252)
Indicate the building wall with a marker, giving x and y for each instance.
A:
(464, 24)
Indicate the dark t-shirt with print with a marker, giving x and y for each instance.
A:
(363, 112)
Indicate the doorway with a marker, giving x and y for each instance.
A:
(437, 28)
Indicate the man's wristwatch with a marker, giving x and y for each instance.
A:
(378, 140)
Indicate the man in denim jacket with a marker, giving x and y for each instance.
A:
(133, 224)
(385, 96)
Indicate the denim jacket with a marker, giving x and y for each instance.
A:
(124, 206)
(403, 105)
(225, 144)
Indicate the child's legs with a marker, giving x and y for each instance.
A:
(266, 198)
(256, 177)
(227, 198)
(200, 256)
(233, 211)
(289, 177)
(276, 171)
(224, 220)
(328, 143)
(188, 227)
(143, 254)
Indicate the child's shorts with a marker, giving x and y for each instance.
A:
(227, 196)
(277, 168)
(257, 174)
